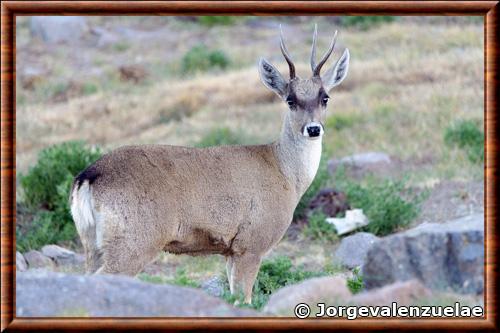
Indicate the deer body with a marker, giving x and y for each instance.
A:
(236, 201)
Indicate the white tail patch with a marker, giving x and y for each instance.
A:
(82, 208)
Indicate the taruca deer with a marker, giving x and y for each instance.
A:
(236, 201)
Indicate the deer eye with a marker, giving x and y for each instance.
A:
(290, 102)
(324, 100)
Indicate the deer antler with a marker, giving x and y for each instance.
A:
(316, 68)
(287, 55)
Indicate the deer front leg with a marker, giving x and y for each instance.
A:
(243, 273)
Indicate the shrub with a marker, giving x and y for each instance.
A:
(342, 121)
(365, 22)
(318, 182)
(220, 136)
(467, 135)
(46, 189)
(355, 284)
(388, 204)
(211, 21)
(199, 59)
(318, 228)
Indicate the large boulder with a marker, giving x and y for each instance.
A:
(352, 250)
(403, 293)
(48, 294)
(328, 289)
(36, 259)
(58, 29)
(448, 256)
(62, 256)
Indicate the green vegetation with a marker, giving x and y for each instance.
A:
(221, 136)
(46, 189)
(365, 22)
(467, 135)
(341, 121)
(199, 59)
(273, 274)
(180, 279)
(318, 228)
(211, 21)
(355, 284)
(388, 204)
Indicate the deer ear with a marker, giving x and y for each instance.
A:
(336, 74)
(272, 78)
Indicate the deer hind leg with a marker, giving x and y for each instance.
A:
(243, 273)
(127, 254)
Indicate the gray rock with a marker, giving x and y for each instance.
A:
(213, 286)
(56, 294)
(352, 249)
(58, 29)
(36, 259)
(369, 160)
(403, 293)
(328, 289)
(21, 264)
(62, 256)
(448, 256)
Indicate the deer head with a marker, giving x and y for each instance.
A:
(306, 98)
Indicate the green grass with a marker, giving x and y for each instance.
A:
(388, 204)
(355, 284)
(365, 22)
(211, 21)
(200, 59)
(180, 278)
(467, 135)
(46, 188)
(221, 136)
(318, 229)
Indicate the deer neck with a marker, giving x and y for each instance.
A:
(298, 157)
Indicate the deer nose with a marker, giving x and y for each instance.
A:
(313, 130)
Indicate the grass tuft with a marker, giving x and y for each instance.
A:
(467, 135)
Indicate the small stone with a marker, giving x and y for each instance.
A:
(352, 249)
(354, 219)
(21, 264)
(36, 259)
(62, 256)
(213, 286)
(368, 161)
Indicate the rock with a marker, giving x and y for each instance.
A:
(112, 296)
(213, 286)
(62, 256)
(352, 249)
(328, 289)
(21, 264)
(36, 259)
(369, 161)
(354, 219)
(329, 201)
(58, 29)
(403, 293)
(447, 257)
